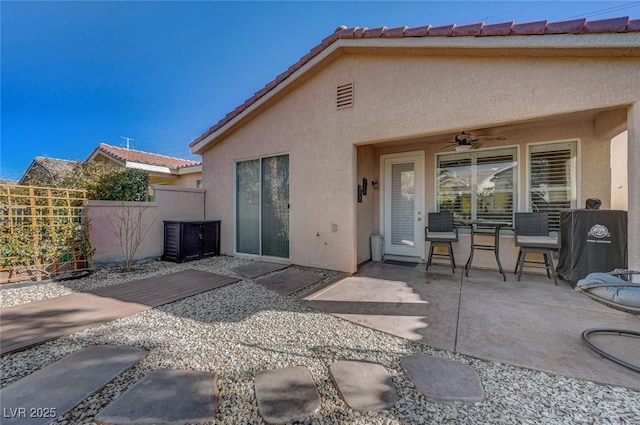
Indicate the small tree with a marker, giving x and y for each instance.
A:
(129, 227)
(107, 183)
(118, 184)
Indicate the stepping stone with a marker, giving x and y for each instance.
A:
(52, 391)
(363, 385)
(286, 394)
(165, 396)
(443, 379)
(289, 281)
(253, 270)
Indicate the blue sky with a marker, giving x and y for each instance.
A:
(74, 74)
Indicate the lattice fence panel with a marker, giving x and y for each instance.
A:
(43, 233)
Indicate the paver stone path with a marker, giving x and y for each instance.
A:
(165, 396)
(443, 379)
(289, 281)
(52, 391)
(258, 268)
(363, 385)
(286, 394)
(25, 325)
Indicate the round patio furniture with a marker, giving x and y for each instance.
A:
(615, 290)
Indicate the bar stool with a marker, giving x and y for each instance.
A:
(532, 236)
(441, 232)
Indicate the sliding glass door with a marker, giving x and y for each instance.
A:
(262, 206)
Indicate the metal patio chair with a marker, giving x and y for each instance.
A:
(615, 290)
(532, 237)
(440, 231)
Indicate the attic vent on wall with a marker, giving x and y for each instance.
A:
(344, 96)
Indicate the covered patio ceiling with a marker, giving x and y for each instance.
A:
(605, 120)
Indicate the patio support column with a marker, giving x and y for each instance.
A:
(633, 176)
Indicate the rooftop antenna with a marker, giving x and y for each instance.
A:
(128, 139)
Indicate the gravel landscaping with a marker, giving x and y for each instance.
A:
(242, 329)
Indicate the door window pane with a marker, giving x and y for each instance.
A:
(248, 207)
(275, 206)
(402, 203)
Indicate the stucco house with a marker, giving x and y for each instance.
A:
(557, 105)
(162, 169)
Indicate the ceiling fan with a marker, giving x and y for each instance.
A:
(465, 140)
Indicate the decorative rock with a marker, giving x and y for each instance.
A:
(286, 394)
(363, 385)
(165, 396)
(442, 379)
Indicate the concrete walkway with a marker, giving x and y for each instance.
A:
(30, 324)
(531, 323)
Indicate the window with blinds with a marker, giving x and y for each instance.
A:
(552, 179)
(478, 184)
(402, 204)
(262, 206)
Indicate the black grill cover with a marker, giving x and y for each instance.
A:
(591, 241)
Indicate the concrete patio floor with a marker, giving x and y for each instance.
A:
(530, 323)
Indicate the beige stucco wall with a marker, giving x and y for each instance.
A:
(366, 211)
(171, 203)
(406, 97)
(188, 180)
(619, 186)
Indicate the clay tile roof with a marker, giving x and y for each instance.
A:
(575, 26)
(141, 157)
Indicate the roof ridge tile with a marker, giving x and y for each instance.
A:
(529, 28)
(471, 29)
(374, 32)
(422, 31)
(606, 25)
(502, 28)
(443, 30)
(633, 25)
(397, 32)
(574, 26)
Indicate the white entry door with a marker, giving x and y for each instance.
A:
(403, 204)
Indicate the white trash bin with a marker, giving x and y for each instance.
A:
(377, 246)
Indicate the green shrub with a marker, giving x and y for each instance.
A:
(109, 183)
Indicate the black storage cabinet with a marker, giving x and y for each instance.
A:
(191, 240)
(591, 241)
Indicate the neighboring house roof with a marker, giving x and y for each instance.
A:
(539, 28)
(47, 171)
(124, 155)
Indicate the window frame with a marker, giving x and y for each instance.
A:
(260, 158)
(473, 156)
(577, 168)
